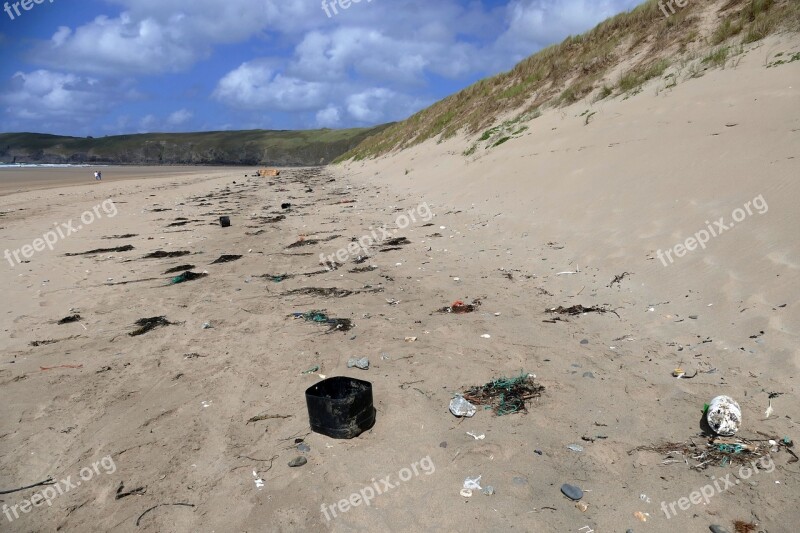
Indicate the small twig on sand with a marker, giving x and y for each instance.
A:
(161, 505)
(48, 481)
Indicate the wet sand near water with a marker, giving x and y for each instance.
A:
(13, 180)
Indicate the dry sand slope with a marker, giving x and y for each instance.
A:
(171, 407)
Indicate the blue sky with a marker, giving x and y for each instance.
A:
(106, 67)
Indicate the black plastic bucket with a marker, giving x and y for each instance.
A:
(225, 221)
(340, 407)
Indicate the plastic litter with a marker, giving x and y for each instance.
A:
(461, 407)
(362, 363)
(473, 483)
(489, 490)
(724, 416)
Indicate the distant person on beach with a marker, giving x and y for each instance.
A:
(100, 176)
(96, 175)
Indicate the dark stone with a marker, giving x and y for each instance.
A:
(572, 492)
(298, 461)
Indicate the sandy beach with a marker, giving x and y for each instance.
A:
(200, 417)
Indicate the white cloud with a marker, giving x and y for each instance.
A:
(534, 24)
(156, 36)
(255, 85)
(53, 100)
(330, 117)
(179, 117)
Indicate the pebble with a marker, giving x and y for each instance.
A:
(585, 341)
(717, 529)
(571, 491)
(298, 461)
(588, 375)
(628, 531)
(693, 317)
(443, 444)
(538, 452)
(520, 481)
(303, 447)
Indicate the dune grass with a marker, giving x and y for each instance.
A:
(578, 67)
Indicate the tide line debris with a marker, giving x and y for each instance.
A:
(179, 268)
(459, 307)
(576, 310)
(505, 395)
(717, 451)
(161, 254)
(226, 259)
(320, 317)
(69, 319)
(325, 292)
(187, 276)
(311, 242)
(126, 248)
(149, 324)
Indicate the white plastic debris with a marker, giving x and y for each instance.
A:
(724, 416)
(461, 407)
(362, 363)
(473, 483)
(476, 437)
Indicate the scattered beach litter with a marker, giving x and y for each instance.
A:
(355, 362)
(149, 324)
(461, 407)
(320, 317)
(187, 276)
(506, 395)
(724, 416)
(576, 310)
(459, 307)
(719, 451)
